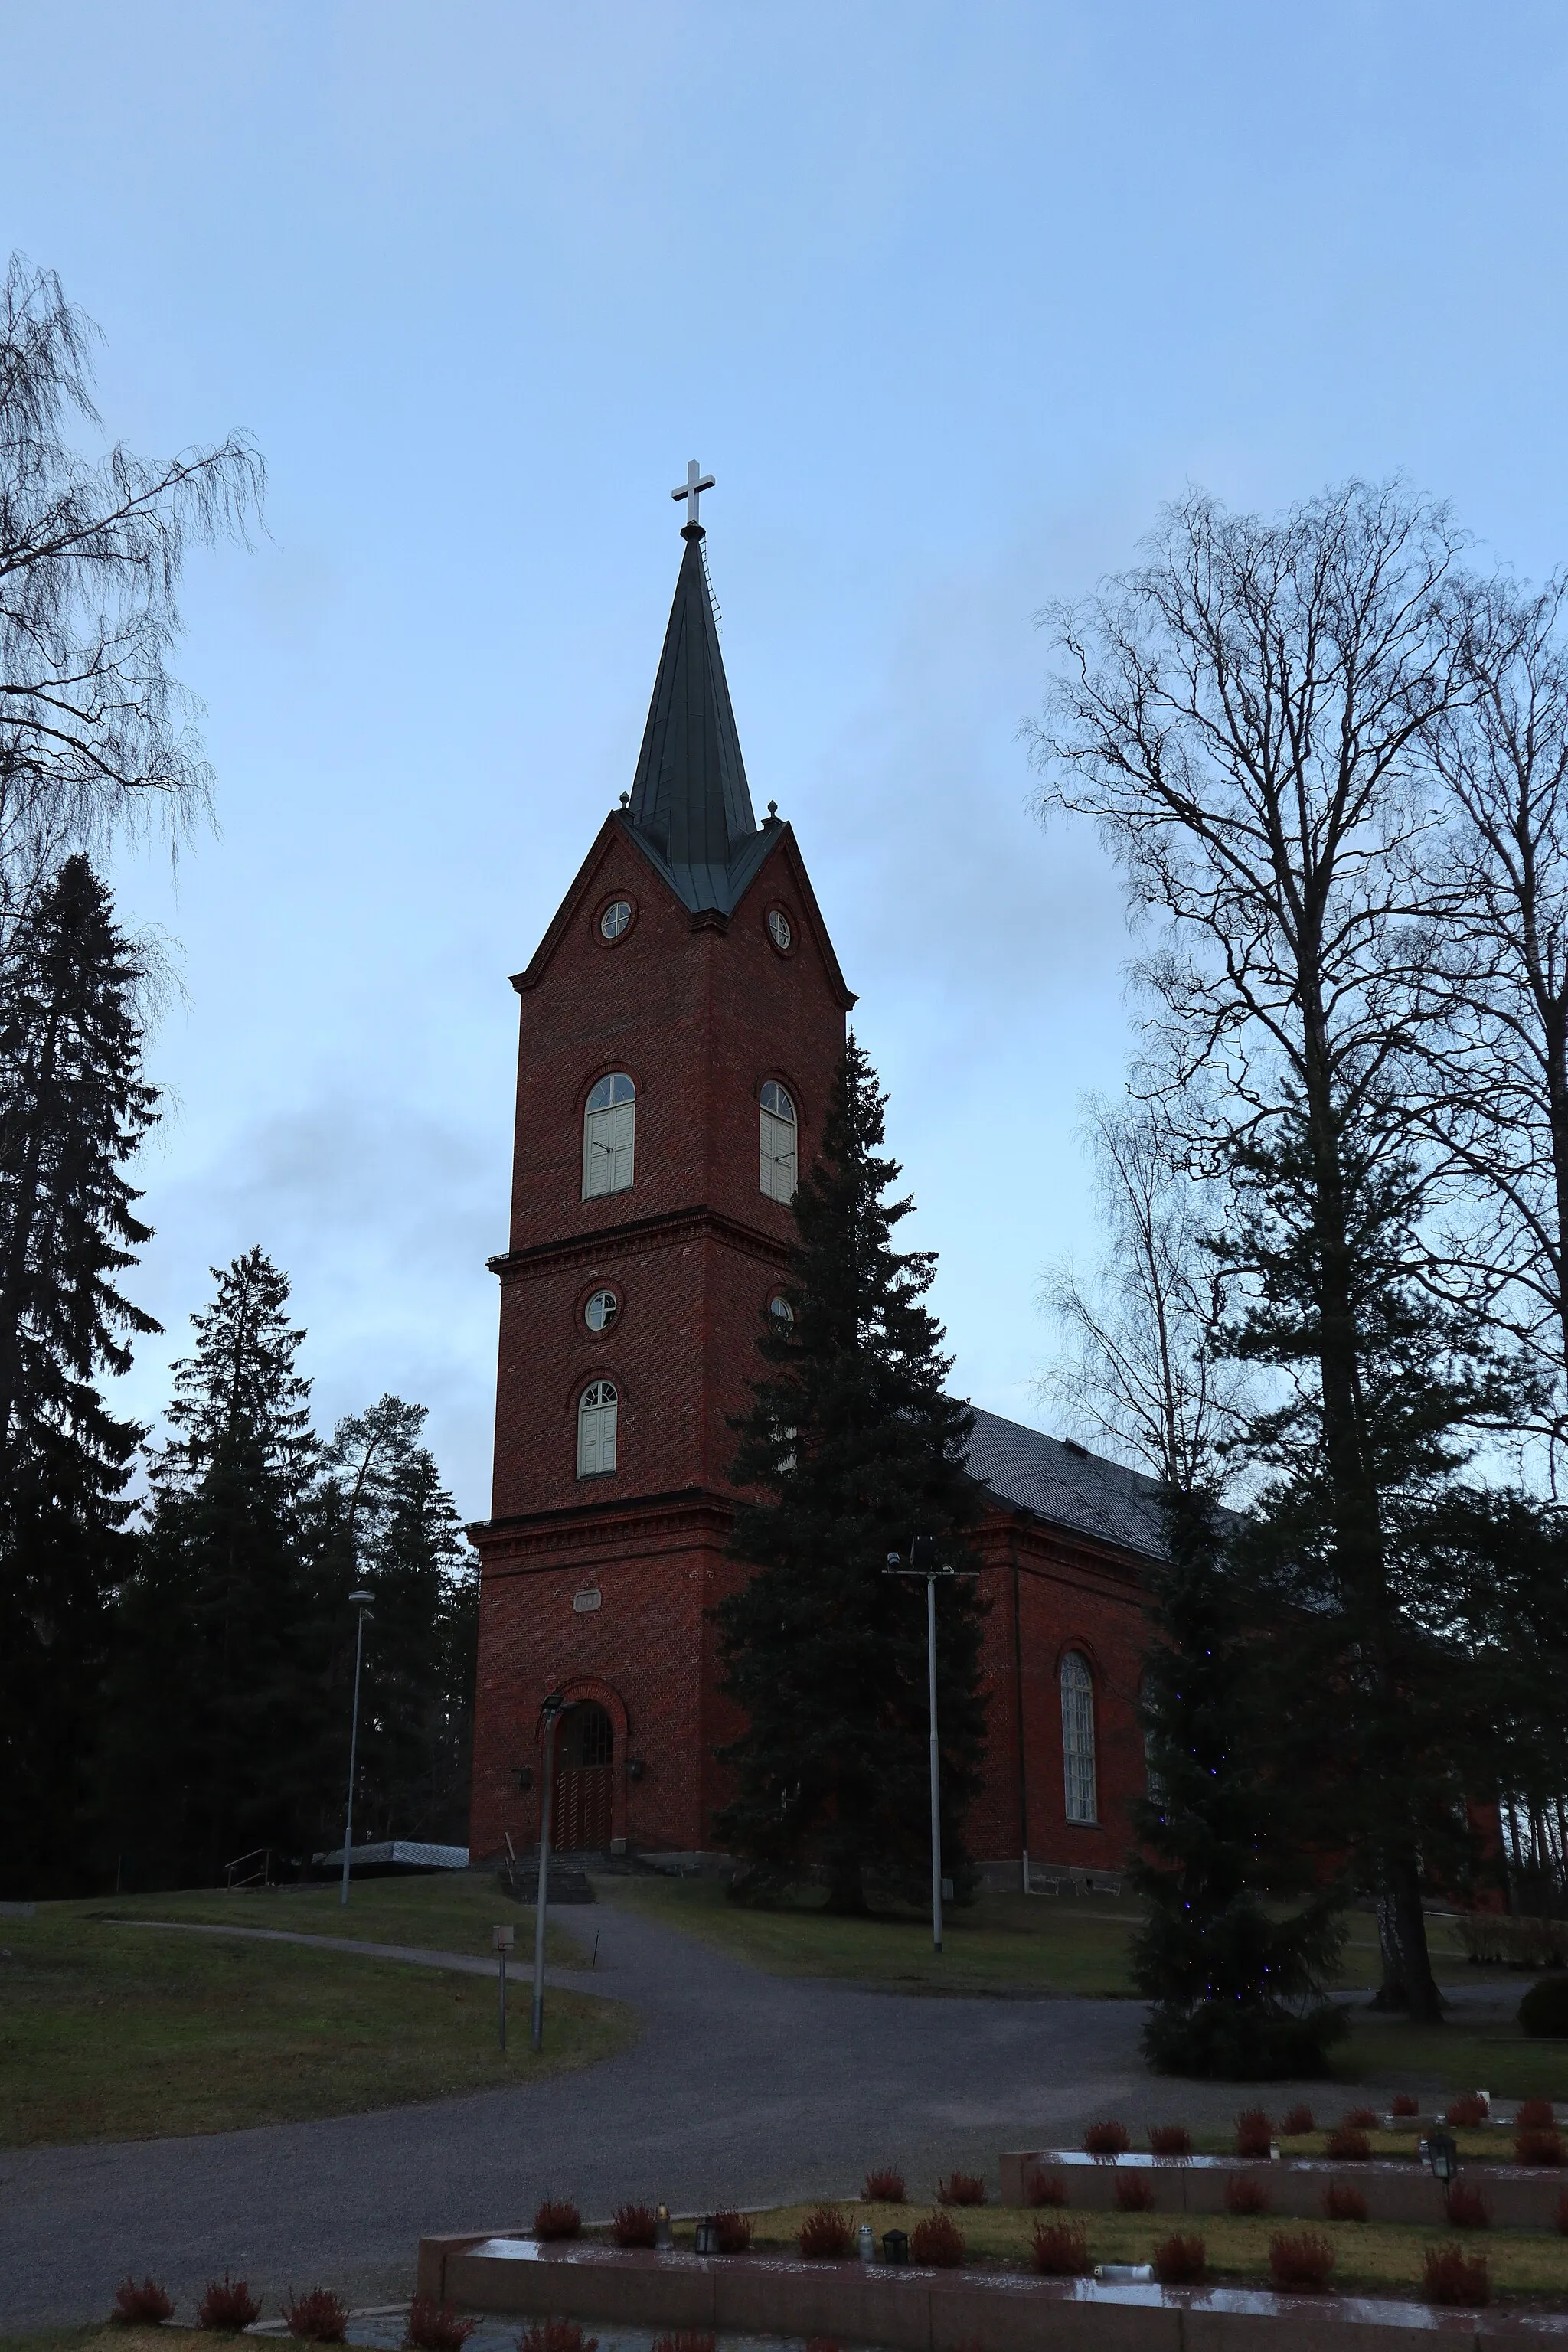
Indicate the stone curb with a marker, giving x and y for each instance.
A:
(911, 2310)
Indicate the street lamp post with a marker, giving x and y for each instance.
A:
(554, 1708)
(360, 1601)
(923, 1563)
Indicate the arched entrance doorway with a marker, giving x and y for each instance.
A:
(580, 1813)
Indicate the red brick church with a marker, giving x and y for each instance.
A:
(680, 1021)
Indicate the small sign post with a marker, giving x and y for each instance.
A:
(502, 1939)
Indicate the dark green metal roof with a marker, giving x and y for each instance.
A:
(689, 805)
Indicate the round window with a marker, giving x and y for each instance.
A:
(601, 1310)
(779, 930)
(615, 919)
(782, 1309)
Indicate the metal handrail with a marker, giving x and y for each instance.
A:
(262, 1877)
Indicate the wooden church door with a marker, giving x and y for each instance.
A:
(580, 1815)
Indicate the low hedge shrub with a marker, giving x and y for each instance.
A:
(1453, 2276)
(317, 2316)
(435, 2326)
(825, 2236)
(937, 2243)
(227, 2306)
(146, 2305)
(1180, 2261)
(1061, 2250)
(1301, 2260)
(557, 2218)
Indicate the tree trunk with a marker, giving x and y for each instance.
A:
(14, 1280)
(1407, 1980)
(1391, 1993)
(1424, 1999)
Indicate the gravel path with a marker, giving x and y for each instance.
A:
(742, 2089)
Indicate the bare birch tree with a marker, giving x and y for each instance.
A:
(1139, 1369)
(1497, 1049)
(1244, 717)
(95, 731)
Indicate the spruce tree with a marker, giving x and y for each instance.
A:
(409, 1550)
(74, 1109)
(851, 1447)
(232, 1606)
(1344, 1536)
(1242, 1923)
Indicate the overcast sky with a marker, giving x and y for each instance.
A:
(950, 297)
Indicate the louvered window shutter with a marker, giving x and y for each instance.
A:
(777, 1173)
(623, 1139)
(597, 1417)
(609, 1139)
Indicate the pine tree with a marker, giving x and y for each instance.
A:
(409, 1550)
(237, 1605)
(855, 1448)
(74, 1108)
(1242, 1928)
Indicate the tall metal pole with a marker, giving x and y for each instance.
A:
(554, 1709)
(362, 1602)
(923, 1563)
(935, 1765)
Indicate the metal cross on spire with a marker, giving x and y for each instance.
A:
(691, 489)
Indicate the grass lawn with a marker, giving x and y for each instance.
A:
(450, 1911)
(1461, 2055)
(1369, 2255)
(1001, 1942)
(117, 2033)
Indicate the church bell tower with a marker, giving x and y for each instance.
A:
(681, 1024)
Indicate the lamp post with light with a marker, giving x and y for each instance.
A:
(554, 1708)
(924, 1563)
(360, 1601)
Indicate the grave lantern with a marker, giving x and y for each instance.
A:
(707, 2236)
(895, 2246)
(1442, 2155)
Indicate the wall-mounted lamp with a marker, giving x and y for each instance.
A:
(523, 1775)
(636, 1769)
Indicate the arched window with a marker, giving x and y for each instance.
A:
(778, 1143)
(1077, 1739)
(609, 1137)
(597, 1409)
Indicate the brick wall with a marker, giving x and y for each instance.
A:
(699, 1011)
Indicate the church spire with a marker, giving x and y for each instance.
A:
(690, 801)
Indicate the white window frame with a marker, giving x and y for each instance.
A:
(609, 1137)
(778, 1140)
(1080, 1792)
(598, 1417)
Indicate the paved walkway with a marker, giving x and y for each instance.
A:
(742, 2089)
